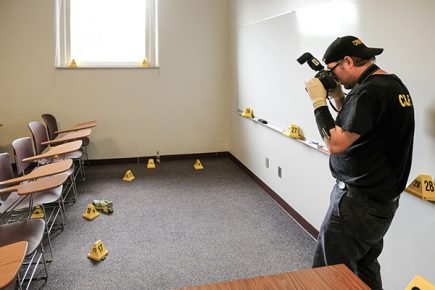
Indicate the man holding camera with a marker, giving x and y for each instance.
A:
(371, 144)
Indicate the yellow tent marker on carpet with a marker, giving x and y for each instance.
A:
(420, 283)
(98, 252)
(422, 187)
(198, 165)
(91, 212)
(151, 163)
(293, 131)
(248, 113)
(73, 64)
(38, 213)
(128, 176)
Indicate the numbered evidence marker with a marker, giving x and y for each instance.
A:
(91, 212)
(38, 213)
(151, 163)
(98, 252)
(198, 165)
(128, 176)
(293, 131)
(422, 187)
(72, 64)
(420, 283)
(248, 113)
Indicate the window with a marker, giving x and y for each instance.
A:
(106, 33)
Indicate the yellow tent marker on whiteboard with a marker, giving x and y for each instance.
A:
(248, 113)
(91, 212)
(293, 131)
(128, 176)
(98, 252)
(422, 187)
(420, 283)
(198, 165)
(72, 64)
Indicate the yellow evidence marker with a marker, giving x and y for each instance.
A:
(151, 163)
(38, 213)
(198, 165)
(293, 131)
(420, 283)
(98, 252)
(145, 63)
(422, 187)
(91, 212)
(248, 113)
(128, 176)
(72, 64)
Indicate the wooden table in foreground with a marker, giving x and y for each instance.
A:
(81, 126)
(11, 258)
(325, 278)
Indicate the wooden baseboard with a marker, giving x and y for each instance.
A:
(293, 213)
(144, 159)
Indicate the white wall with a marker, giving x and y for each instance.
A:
(306, 181)
(179, 108)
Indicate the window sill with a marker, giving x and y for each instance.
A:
(106, 67)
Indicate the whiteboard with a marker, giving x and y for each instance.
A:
(270, 80)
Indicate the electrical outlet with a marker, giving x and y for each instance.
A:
(279, 172)
(267, 162)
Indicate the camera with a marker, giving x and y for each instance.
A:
(323, 75)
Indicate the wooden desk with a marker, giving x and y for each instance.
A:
(71, 136)
(80, 126)
(324, 278)
(41, 171)
(37, 185)
(57, 150)
(11, 258)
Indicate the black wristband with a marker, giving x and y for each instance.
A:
(324, 121)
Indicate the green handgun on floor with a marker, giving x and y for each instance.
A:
(103, 205)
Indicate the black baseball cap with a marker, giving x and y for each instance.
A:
(350, 46)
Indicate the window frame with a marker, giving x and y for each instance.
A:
(63, 39)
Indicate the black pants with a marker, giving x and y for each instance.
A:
(352, 233)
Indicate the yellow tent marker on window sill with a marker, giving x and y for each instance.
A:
(423, 187)
(72, 64)
(145, 63)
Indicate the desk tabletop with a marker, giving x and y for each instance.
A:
(80, 126)
(37, 185)
(71, 136)
(41, 171)
(324, 278)
(11, 258)
(61, 149)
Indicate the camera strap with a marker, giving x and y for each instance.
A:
(368, 72)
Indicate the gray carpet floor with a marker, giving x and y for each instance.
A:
(175, 227)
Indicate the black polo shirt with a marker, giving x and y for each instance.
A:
(378, 163)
